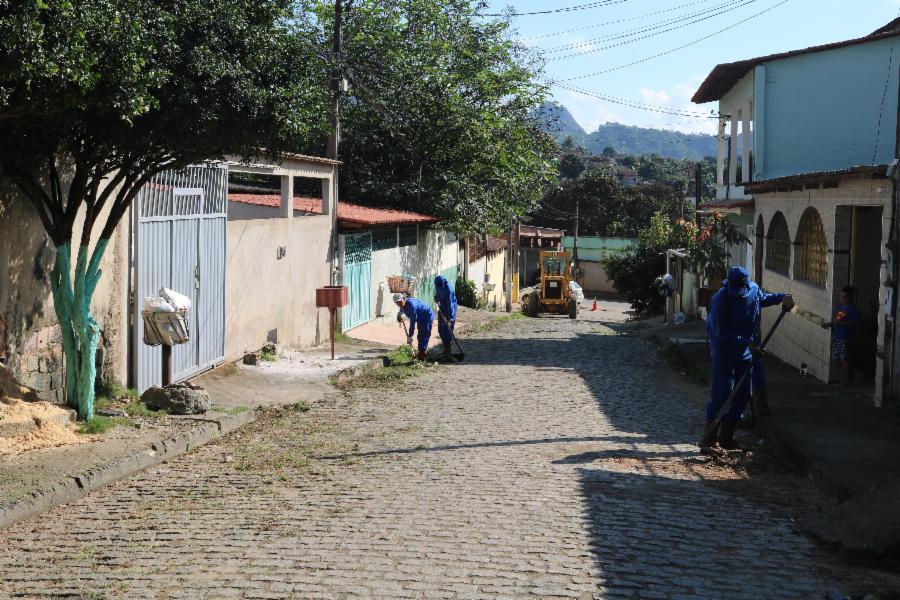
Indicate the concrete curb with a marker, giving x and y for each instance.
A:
(77, 486)
(346, 375)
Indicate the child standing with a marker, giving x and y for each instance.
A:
(845, 320)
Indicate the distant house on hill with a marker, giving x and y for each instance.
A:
(627, 177)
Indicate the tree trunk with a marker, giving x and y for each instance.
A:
(80, 332)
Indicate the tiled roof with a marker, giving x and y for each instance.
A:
(724, 76)
(494, 243)
(350, 214)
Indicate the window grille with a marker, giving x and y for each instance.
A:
(811, 262)
(778, 246)
(409, 236)
(384, 239)
(357, 248)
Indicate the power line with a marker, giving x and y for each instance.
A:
(638, 30)
(682, 47)
(587, 6)
(650, 35)
(586, 27)
(629, 103)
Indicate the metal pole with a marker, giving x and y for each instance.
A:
(166, 365)
(333, 320)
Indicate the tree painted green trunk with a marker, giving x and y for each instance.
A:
(80, 332)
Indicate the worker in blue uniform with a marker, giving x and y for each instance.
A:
(445, 299)
(420, 315)
(733, 328)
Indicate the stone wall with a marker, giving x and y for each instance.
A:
(30, 339)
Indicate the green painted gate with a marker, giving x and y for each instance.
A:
(358, 279)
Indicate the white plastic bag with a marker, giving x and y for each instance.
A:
(179, 301)
(155, 304)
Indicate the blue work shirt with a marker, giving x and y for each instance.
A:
(445, 297)
(733, 321)
(417, 312)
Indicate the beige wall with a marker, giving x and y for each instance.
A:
(596, 279)
(801, 339)
(495, 269)
(32, 340)
(267, 297)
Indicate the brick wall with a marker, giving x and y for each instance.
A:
(801, 339)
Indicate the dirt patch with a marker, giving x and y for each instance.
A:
(36, 425)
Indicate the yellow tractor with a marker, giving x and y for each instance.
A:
(557, 292)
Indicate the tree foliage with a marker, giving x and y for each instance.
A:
(438, 115)
(97, 96)
(605, 207)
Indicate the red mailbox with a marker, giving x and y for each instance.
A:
(332, 296)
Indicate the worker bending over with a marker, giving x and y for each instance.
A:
(419, 314)
(445, 299)
(732, 324)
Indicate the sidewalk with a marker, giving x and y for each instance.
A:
(845, 444)
(35, 481)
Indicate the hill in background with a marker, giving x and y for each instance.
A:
(627, 140)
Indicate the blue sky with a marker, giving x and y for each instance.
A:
(669, 81)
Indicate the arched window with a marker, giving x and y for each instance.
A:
(759, 244)
(811, 260)
(778, 245)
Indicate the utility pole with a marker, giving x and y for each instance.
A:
(575, 245)
(508, 280)
(338, 86)
(698, 177)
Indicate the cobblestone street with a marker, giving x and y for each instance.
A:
(555, 462)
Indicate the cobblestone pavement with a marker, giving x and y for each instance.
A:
(552, 463)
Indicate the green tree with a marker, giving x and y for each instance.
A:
(97, 96)
(610, 152)
(438, 118)
(570, 166)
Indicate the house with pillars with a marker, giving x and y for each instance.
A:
(806, 139)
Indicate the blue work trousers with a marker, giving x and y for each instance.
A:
(726, 371)
(423, 330)
(445, 330)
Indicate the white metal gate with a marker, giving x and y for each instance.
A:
(181, 245)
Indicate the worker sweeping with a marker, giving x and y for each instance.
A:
(445, 299)
(420, 315)
(732, 325)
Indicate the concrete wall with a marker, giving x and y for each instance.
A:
(824, 111)
(594, 248)
(436, 253)
(29, 332)
(270, 298)
(495, 269)
(801, 338)
(596, 278)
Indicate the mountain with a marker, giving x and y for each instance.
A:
(644, 140)
(625, 139)
(559, 122)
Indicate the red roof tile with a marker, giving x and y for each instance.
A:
(353, 215)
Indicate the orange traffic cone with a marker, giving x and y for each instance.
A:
(594, 307)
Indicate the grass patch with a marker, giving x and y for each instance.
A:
(400, 365)
(301, 407)
(700, 374)
(268, 356)
(139, 409)
(234, 410)
(110, 393)
(341, 338)
(103, 424)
